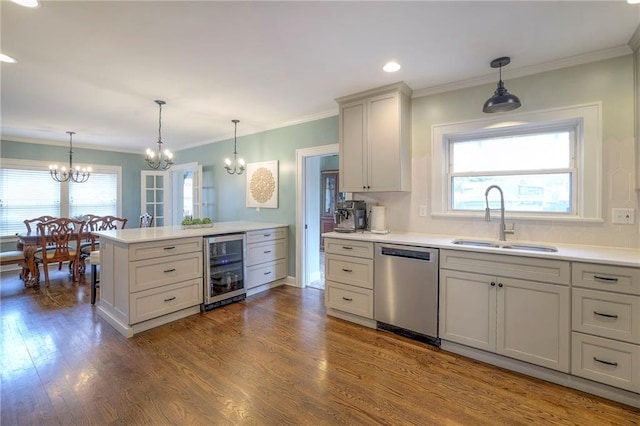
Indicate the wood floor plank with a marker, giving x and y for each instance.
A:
(274, 359)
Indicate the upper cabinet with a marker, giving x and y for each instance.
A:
(375, 140)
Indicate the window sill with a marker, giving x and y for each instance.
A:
(519, 217)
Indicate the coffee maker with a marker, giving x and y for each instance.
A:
(350, 216)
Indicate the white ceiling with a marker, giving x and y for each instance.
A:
(95, 67)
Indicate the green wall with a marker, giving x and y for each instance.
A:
(223, 193)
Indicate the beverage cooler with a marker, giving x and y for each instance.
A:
(224, 270)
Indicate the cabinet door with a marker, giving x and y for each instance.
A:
(383, 137)
(533, 322)
(353, 170)
(468, 309)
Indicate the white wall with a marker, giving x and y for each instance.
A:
(610, 82)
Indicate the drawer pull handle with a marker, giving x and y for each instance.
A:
(347, 270)
(605, 279)
(347, 248)
(614, 364)
(166, 271)
(266, 235)
(170, 299)
(170, 248)
(267, 251)
(267, 273)
(348, 299)
(605, 315)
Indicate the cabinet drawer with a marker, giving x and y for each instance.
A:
(156, 249)
(525, 268)
(151, 273)
(349, 247)
(266, 235)
(266, 252)
(152, 303)
(355, 300)
(349, 270)
(605, 277)
(606, 361)
(611, 315)
(265, 273)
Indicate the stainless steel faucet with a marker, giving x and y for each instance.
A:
(487, 213)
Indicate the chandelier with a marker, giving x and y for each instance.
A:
(238, 163)
(78, 175)
(159, 159)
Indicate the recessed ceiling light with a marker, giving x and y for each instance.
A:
(633, 1)
(27, 3)
(391, 66)
(7, 59)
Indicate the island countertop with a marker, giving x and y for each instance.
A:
(139, 235)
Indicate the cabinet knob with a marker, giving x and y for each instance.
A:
(499, 284)
(493, 284)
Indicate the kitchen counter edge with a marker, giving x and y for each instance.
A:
(575, 253)
(140, 235)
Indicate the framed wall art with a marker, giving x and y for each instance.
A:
(262, 184)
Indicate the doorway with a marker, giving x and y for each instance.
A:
(310, 162)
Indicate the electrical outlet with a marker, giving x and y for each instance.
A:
(423, 211)
(623, 216)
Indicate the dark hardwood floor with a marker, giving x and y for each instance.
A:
(275, 359)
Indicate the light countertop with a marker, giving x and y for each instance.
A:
(570, 252)
(139, 235)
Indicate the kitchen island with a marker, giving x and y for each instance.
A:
(153, 276)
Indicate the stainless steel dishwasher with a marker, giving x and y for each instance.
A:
(406, 291)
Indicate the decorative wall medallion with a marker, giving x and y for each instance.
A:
(262, 184)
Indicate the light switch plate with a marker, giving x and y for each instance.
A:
(623, 216)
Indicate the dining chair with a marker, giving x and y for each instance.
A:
(29, 223)
(61, 238)
(146, 220)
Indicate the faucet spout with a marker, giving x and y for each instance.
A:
(487, 214)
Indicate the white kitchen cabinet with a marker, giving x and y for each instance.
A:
(349, 280)
(266, 258)
(489, 302)
(375, 140)
(606, 324)
(147, 284)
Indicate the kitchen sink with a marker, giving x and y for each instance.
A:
(476, 243)
(530, 247)
(505, 245)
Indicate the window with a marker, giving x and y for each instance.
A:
(548, 164)
(27, 191)
(534, 168)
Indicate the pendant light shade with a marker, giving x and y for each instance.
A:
(501, 100)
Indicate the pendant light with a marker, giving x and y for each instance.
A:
(77, 175)
(159, 159)
(237, 166)
(501, 100)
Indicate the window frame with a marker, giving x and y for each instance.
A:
(64, 187)
(587, 158)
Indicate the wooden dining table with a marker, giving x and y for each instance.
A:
(30, 242)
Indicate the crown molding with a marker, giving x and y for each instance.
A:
(598, 55)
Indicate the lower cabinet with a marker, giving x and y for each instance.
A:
(520, 318)
(144, 285)
(266, 257)
(349, 280)
(605, 325)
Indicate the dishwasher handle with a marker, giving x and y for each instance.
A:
(407, 253)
